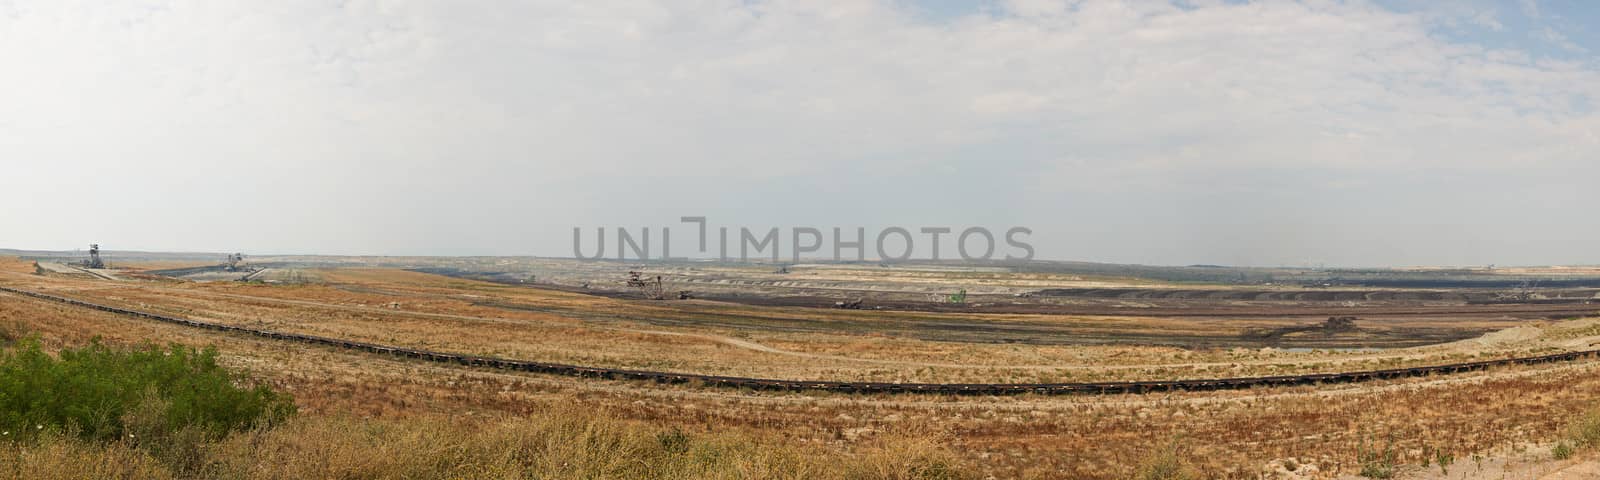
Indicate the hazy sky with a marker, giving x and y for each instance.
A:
(1260, 133)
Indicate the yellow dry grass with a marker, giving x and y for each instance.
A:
(1221, 434)
(440, 313)
(564, 442)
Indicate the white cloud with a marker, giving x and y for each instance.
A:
(1558, 39)
(378, 118)
(1487, 20)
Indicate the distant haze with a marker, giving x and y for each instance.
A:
(1273, 133)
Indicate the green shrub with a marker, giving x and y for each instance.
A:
(102, 393)
(673, 441)
(1562, 451)
(1165, 463)
(1585, 431)
(1378, 464)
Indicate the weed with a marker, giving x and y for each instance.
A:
(1377, 464)
(1444, 459)
(1585, 431)
(1165, 463)
(1562, 451)
(673, 441)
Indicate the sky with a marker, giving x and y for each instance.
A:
(1339, 133)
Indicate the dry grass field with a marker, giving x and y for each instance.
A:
(353, 402)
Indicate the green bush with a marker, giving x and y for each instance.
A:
(102, 393)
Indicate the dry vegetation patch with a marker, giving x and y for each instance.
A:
(351, 401)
